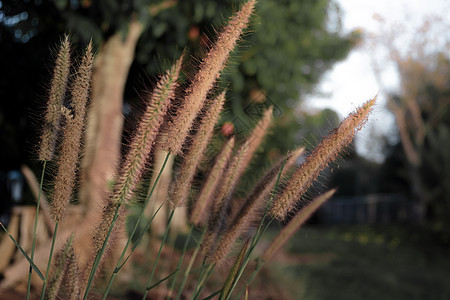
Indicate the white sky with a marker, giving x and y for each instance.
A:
(352, 82)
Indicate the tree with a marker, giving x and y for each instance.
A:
(283, 59)
(422, 116)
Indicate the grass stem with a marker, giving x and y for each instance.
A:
(189, 266)
(119, 264)
(33, 245)
(100, 252)
(44, 286)
(204, 276)
(259, 232)
(163, 242)
(32, 264)
(180, 261)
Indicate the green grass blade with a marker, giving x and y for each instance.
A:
(121, 262)
(44, 286)
(162, 280)
(149, 222)
(146, 227)
(189, 266)
(33, 245)
(35, 268)
(163, 242)
(227, 287)
(99, 254)
(202, 281)
(259, 232)
(212, 295)
(120, 265)
(180, 261)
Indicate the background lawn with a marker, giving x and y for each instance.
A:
(361, 262)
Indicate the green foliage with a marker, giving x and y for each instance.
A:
(290, 46)
(292, 43)
(362, 262)
(285, 56)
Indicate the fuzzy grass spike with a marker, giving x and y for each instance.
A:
(56, 98)
(204, 80)
(200, 142)
(322, 155)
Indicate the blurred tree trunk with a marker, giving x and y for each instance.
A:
(105, 121)
(410, 125)
(160, 193)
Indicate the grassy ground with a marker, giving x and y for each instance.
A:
(347, 262)
(364, 263)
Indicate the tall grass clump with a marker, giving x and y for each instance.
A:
(91, 252)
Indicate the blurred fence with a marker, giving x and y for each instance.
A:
(366, 209)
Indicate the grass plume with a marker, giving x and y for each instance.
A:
(322, 155)
(200, 141)
(63, 259)
(146, 133)
(205, 197)
(254, 201)
(217, 215)
(204, 80)
(256, 137)
(293, 226)
(135, 161)
(217, 220)
(70, 147)
(55, 100)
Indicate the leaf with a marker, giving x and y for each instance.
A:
(227, 288)
(162, 280)
(35, 268)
